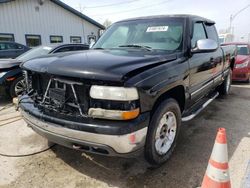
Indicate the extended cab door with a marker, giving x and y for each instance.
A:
(217, 56)
(201, 65)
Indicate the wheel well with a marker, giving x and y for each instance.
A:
(177, 93)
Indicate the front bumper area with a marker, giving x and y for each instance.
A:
(126, 145)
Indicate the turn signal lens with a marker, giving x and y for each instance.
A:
(130, 114)
(113, 114)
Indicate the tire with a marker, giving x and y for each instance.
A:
(159, 149)
(224, 88)
(14, 91)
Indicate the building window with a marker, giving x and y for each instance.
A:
(6, 37)
(56, 39)
(75, 39)
(33, 40)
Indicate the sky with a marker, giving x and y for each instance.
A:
(217, 10)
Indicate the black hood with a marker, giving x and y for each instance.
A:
(111, 65)
(9, 63)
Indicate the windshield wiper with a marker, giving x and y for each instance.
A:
(136, 46)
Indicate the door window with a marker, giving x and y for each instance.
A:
(198, 33)
(65, 49)
(212, 33)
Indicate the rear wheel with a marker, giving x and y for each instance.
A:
(225, 87)
(163, 131)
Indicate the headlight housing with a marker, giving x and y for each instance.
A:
(115, 103)
(113, 93)
(242, 65)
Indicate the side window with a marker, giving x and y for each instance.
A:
(65, 49)
(77, 48)
(198, 33)
(10, 46)
(2, 46)
(212, 33)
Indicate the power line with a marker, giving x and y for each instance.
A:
(113, 4)
(131, 10)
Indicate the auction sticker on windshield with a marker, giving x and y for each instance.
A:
(157, 29)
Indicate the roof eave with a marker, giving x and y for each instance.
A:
(77, 13)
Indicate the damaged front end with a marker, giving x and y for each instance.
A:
(58, 95)
(58, 108)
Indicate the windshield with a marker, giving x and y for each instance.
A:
(35, 52)
(242, 50)
(156, 34)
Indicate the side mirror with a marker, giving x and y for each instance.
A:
(205, 45)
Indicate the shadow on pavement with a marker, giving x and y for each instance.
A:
(4, 100)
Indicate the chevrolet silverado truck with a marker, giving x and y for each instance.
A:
(131, 91)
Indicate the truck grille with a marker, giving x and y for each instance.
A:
(58, 95)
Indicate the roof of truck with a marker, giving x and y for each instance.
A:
(194, 17)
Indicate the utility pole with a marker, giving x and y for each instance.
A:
(232, 17)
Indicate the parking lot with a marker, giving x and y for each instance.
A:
(63, 167)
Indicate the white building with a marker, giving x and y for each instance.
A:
(40, 22)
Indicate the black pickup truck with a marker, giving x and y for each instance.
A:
(132, 90)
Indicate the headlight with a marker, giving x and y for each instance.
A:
(2, 74)
(242, 65)
(113, 93)
(116, 103)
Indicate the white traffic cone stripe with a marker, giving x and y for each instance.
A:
(217, 174)
(219, 153)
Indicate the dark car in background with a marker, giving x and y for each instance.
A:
(12, 49)
(241, 71)
(11, 77)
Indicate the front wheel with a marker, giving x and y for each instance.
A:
(17, 87)
(162, 132)
(225, 87)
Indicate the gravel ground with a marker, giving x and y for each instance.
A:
(62, 168)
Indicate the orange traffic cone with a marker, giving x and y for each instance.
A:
(217, 173)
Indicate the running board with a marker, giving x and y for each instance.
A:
(188, 118)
